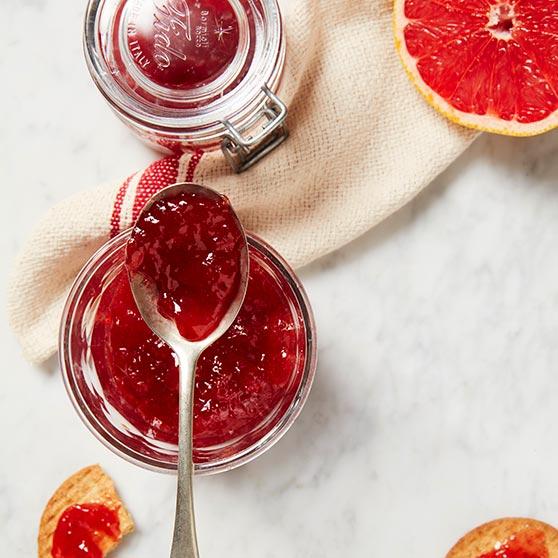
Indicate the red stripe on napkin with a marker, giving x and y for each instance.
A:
(117, 209)
(193, 165)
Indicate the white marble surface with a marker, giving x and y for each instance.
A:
(435, 404)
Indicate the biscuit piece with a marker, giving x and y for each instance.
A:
(90, 485)
(536, 538)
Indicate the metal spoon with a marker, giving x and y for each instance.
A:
(184, 544)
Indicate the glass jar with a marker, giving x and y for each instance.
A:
(85, 388)
(188, 75)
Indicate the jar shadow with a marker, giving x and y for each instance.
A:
(50, 366)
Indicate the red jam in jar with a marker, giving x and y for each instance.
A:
(181, 52)
(190, 248)
(528, 543)
(182, 44)
(83, 530)
(192, 74)
(240, 380)
(251, 384)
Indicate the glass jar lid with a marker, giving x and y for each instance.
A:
(193, 66)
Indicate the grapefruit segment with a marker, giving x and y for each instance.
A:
(486, 64)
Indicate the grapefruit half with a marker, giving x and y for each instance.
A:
(485, 64)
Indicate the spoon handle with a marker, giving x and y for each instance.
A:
(184, 542)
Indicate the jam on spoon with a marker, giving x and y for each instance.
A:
(187, 261)
(189, 249)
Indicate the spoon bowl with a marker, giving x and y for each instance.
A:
(146, 294)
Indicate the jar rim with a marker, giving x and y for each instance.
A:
(202, 124)
(229, 462)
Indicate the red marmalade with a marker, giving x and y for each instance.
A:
(529, 543)
(189, 246)
(181, 44)
(240, 380)
(82, 529)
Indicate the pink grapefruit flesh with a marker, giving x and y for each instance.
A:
(486, 64)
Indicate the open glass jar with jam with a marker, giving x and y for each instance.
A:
(250, 385)
(192, 74)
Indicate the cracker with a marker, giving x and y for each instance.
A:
(90, 485)
(483, 539)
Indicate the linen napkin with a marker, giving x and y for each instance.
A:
(363, 143)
